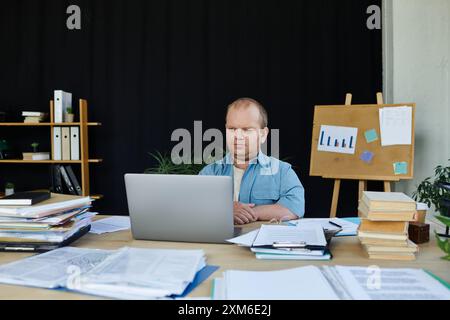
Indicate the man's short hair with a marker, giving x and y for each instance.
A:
(245, 103)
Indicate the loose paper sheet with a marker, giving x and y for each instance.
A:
(111, 224)
(396, 126)
(391, 284)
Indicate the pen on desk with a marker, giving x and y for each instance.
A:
(335, 224)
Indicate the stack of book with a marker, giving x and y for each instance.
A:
(33, 117)
(384, 225)
(36, 155)
(42, 221)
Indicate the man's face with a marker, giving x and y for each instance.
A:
(244, 133)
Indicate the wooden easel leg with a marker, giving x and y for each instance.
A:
(334, 202)
(380, 99)
(387, 186)
(362, 188)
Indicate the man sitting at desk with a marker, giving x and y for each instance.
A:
(265, 188)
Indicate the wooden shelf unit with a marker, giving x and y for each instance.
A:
(46, 124)
(84, 144)
(50, 161)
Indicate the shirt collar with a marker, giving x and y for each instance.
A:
(262, 159)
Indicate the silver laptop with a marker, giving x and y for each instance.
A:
(180, 208)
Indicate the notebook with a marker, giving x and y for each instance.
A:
(24, 198)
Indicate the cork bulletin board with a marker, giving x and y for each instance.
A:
(350, 142)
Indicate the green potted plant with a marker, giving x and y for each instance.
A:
(9, 188)
(165, 165)
(436, 190)
(3, 147)
(35, 146)
(69, 116)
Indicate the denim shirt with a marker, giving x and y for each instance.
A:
(266, 181)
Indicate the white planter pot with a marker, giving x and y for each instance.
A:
(68, 117)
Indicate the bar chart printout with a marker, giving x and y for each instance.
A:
(338, 139)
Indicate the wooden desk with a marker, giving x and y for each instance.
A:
(346, 251)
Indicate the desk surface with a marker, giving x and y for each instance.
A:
(346, 251)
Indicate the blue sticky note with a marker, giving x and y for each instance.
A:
(367, 156)
(371, 135)
(401, 168)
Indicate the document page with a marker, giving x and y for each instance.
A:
(348, 228)
(111, 224)
(391, 284)
(304, 283)
(396, 126)
(245, 240)
(52, 269)
(311, 235)
(170, 270)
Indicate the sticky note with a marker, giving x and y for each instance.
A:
(367, 156)
(371, 135)
(401, 168)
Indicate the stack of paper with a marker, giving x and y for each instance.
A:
(280, 242)
(33, 116)
(127, 273)
(384, 231)
(52, 221)
(144, 273)
(329, 283)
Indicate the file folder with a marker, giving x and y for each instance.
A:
(75, 184)
(42, 246)
(57, 143)
(75, 143)
(65, 143)
(66, 178)
(62, 101)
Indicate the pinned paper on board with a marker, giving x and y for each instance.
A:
(371, 136)
(401, 168)
(367, 156)
(396, 126)
(337, 139)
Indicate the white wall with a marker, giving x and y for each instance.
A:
(416, 37)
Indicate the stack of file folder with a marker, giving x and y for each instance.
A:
(55, 222)
(126, 273)
(384, 228)
(281, 242)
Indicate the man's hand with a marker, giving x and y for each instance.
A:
(244, 213)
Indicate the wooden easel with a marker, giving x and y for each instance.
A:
(362, 183)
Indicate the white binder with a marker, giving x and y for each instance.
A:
(62, 101)
(65, 145)
(57, 143)
(75, 143)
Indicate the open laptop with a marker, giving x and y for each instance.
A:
(180, 207)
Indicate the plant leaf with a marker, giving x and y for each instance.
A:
(444, 220)
(441, 243)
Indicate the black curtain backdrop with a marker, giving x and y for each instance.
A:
(149, 67)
